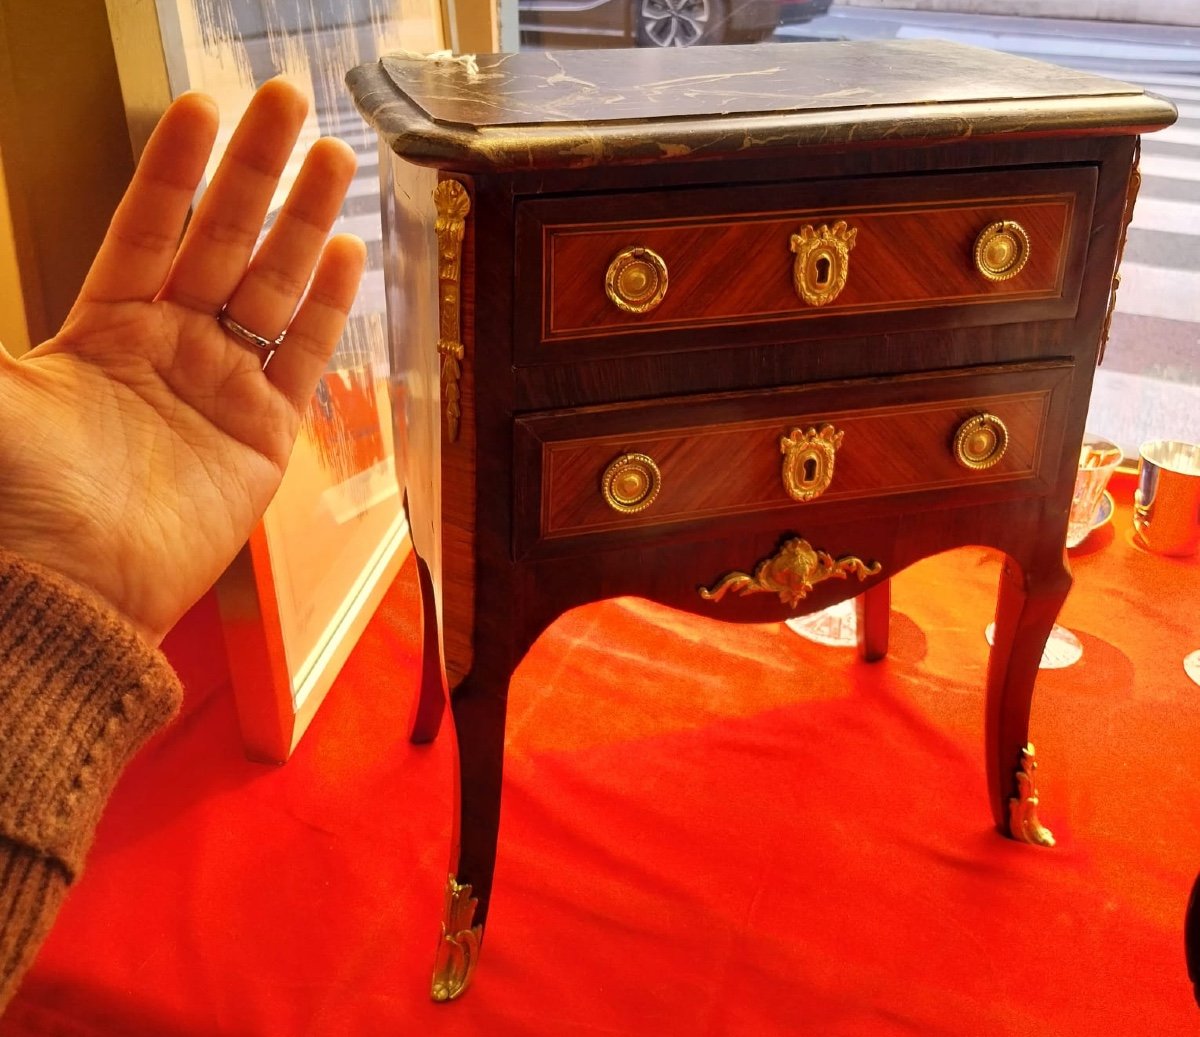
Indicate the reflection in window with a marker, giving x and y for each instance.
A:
(1149, 384)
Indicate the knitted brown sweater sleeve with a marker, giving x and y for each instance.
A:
(80, 692)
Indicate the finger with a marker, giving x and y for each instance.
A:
(299, 362)
(221, 236)
(267, 296)
(144, 234)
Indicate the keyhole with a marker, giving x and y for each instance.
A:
(823, 271)
(810, 469)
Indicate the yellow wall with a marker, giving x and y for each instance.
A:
(473, 26)
(13, 332)
(65, 149)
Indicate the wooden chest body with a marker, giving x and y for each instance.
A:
(614, 383)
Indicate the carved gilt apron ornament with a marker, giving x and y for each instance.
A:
(808, 461)
(452, 203)
(791, 572)
(822, 262)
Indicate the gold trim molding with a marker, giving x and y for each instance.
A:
(458, 949)
(1023, 823)
(452, 203)
(1131, 193)
(791, 572)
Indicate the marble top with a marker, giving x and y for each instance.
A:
(539, 87)
(587, 106)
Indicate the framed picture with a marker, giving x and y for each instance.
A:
(299, 594)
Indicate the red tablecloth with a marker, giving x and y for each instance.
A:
(708, 830)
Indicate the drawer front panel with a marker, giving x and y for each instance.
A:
(715, 457)
(704, 267)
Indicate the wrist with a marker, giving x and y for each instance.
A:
(80, 692)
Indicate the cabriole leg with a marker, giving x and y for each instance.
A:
(1191, 937)
(1027, 606)
(431, 695)
(872, 614)
(478, 707)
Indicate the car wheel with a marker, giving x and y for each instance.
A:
(680, 23)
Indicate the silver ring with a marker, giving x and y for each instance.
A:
(267, 345)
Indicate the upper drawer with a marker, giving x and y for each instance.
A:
(679, 269)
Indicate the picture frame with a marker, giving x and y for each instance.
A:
(297, 597)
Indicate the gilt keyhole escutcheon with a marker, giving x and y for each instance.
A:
(823, 265)
(822, 262)
(808, 460)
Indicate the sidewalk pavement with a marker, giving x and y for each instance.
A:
(1157, 12)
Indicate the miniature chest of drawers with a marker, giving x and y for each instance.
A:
(743, 330)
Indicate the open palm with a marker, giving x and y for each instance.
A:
(140, 444)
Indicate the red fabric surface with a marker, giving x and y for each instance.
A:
(708, 830)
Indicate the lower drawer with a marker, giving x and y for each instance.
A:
(632, 470)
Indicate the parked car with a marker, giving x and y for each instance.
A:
(658, 23)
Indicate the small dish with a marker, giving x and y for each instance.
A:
(1191, 666)
(1062, 649)
(1104, 511)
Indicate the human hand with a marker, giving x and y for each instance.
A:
(141, 443)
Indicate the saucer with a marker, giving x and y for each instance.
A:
(1104, 511)
(1191, 666)
(836, 626)
(1062, 649)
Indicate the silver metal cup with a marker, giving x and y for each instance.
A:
(1166, 505)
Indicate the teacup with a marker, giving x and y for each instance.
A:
(1098, 459)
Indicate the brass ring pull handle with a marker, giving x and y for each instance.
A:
(1001, 250)
(822, 262)
(631, 483)
(980, 441)
(808, 459)
(636, 280)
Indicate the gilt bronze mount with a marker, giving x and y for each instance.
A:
(458, 949)
(980, 442)
(808, 458)
(822, 262)
(1023, 823)
(631, 483)
(636, 280)
(452, 203)
(1001, 250)
(791, 572)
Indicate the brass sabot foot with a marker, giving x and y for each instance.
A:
(1023, 823)
(458, 949)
